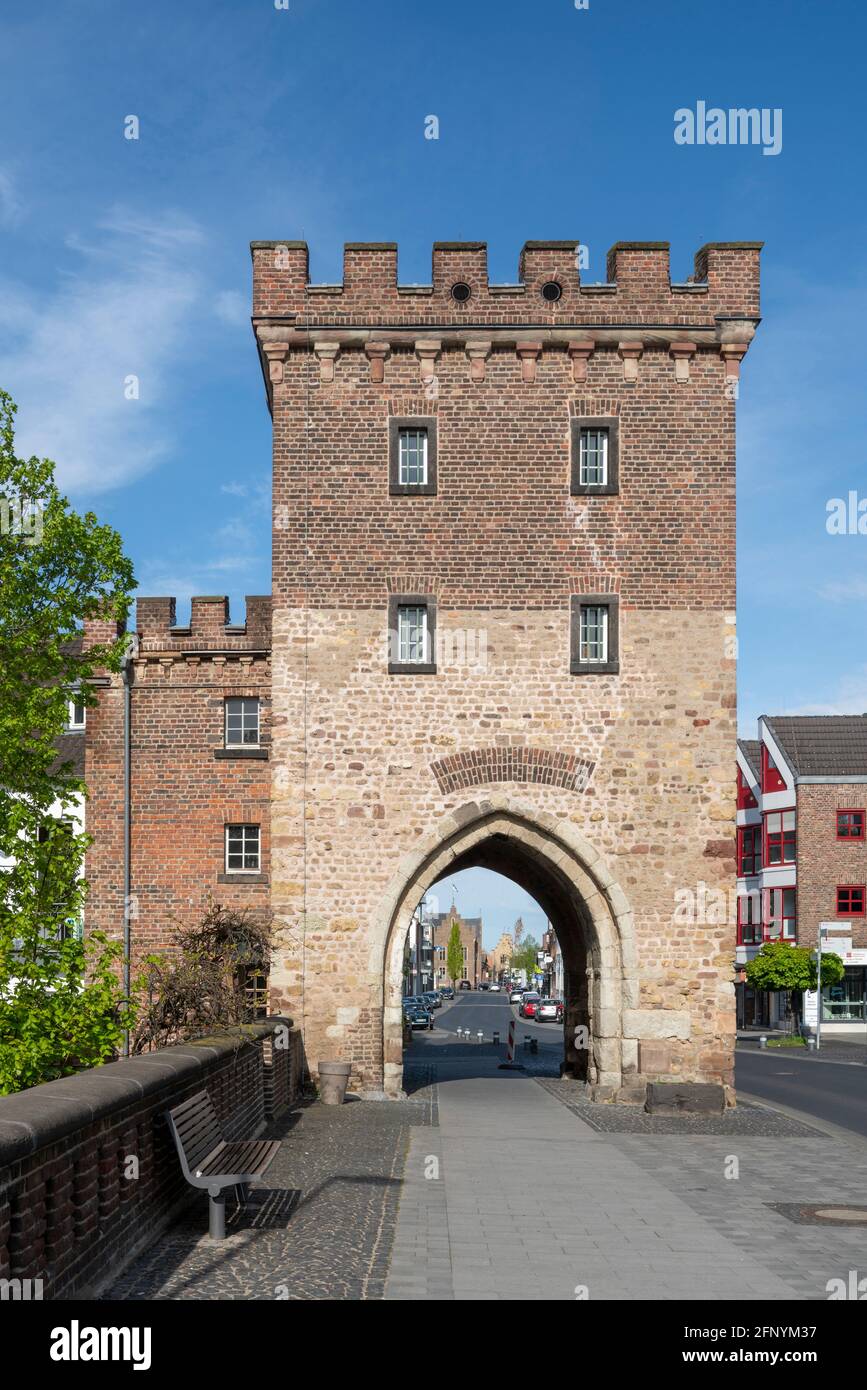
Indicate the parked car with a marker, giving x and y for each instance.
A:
(516, 996)
(464, 984)
(549, 1009)
(447, 992)
(484, 985)
(419, 1017)
(431, 997)
(495, 989)
(527, 1006)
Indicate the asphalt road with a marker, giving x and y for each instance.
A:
(829, 1091)
(475, 1009)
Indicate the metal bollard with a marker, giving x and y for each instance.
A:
(496, 1040)
(811, 1044)
(534, 1044)
(763, 1042)
(480, 1035)
(460, 1032)
(526, 1039)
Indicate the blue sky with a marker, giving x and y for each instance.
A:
(128, 257)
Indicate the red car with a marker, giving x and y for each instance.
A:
(528, 1004)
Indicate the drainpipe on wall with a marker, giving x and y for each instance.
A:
(127, 675)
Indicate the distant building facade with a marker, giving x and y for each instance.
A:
(802, 857)
(471, 946)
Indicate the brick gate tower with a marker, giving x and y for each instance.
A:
(503, 632)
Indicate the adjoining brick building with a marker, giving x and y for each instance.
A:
(802, 857)
(200, 780)
(501, 634)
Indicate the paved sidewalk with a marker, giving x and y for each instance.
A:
(532, 1203)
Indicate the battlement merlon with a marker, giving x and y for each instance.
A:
(210, 629)
(638, 289)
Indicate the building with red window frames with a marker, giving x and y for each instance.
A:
(802, 855)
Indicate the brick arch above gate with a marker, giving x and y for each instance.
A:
(550, 767)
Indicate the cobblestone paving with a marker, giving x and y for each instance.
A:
(321, 1229)
(744, 1119)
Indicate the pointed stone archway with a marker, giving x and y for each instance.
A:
(559, 867)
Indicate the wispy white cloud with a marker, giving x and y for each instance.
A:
(845, 590)
(237, 551)
(232, 307)
(850, 696)
(123, 312)
(11, 207)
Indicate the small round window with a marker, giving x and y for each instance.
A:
(551, 291)
(461, 292)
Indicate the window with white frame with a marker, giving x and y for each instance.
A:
(594, 633)
(243, 852)
(593, 462)
(242, 723)
(412, 457)
(76, 716)
(412, 634)
(781, 915)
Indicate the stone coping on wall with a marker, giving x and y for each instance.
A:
(46, 1114)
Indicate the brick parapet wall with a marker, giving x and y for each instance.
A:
(69, 1213)
(639, 288)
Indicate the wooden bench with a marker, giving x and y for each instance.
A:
(211, 1163)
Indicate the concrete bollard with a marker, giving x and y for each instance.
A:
(459, 1032)
(811, 1044)
(480, 1035)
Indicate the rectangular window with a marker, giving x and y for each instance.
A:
(255, 994)
(594, 633)
(412, 644)
(412, 456)
(593, 460)
(779, 838)
(781, 919)
(595, 456)
(850, 901)
(850, 825)
(411, 634)
(749, 920)
(749, 849)
(242, 849)
(242, 723)
(412, 461)
(76, 717)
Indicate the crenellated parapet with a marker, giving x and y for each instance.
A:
(210, 630)
(549, 308)
(550, 289)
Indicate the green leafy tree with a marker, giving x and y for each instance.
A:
(781, 966)
(524, 958)
(455, 955)
(60, 1005)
